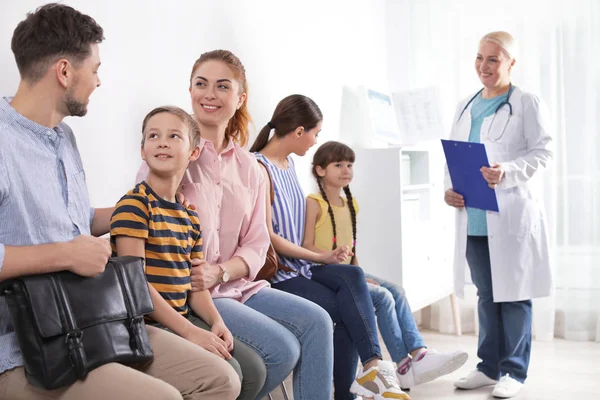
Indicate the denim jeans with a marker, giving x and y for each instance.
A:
(504, 328)
(289, 333)
(342, 291)
(394, 319)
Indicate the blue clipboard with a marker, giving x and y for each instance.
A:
(464, 161)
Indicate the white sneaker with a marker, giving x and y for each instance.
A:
(474, 380)
(378, 383)
(507, 387)
(429, 366)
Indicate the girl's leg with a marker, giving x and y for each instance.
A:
(409, 335)
(387, 322)
(425, 365)
(355, 306)
(345, 357)
(355, 311)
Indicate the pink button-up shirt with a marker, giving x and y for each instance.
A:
(228, 190)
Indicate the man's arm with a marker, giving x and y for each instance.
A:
(101, 222)
(84, 255)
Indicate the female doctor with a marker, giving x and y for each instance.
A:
(507, 251)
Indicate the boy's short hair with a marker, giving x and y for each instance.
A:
(52, 32)
(187, 119)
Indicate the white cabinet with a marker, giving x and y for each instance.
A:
(405, 230)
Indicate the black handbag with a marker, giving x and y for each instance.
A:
(67, 325)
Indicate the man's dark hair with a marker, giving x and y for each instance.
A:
(52, 32)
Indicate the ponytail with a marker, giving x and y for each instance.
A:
(350, 202)
(291, 112)
(261, 140)
(330, 211)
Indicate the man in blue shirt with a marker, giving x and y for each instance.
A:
(47, 223)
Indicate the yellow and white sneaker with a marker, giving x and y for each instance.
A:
(378, 383)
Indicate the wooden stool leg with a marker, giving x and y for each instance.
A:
(456, 314)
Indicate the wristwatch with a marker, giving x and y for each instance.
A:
(225, 276)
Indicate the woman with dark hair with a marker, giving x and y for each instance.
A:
(318, 276)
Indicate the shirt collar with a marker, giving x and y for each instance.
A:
(231, 147)
(28, 124)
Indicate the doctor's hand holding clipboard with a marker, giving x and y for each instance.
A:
(507, 251)
(473, 179)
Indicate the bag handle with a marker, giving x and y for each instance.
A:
(136, 341)
(271, 186)
(280, 266)
(75, 335)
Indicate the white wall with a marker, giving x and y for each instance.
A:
(310, 47)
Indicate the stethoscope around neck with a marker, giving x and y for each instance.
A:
(504, 103)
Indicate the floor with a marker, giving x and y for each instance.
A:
(559, 370)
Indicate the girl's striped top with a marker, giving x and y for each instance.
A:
(288, 215)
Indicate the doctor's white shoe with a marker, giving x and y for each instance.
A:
(507, 387)
(474, 380)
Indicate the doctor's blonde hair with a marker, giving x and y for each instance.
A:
(505, 40)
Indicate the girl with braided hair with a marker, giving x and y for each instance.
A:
(330, 224)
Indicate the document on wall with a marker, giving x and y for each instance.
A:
(418, 114)
(464, 161)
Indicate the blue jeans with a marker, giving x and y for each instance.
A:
(504, 328)
(289, 333)
(394, 319)
(342, 291)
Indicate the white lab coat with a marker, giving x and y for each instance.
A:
(518, 234)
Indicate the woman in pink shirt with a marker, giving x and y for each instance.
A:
(228, 189)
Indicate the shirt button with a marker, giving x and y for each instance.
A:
(218, 183)
(219, 206)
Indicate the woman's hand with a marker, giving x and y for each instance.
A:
(493, 175)
(209, 341)
(454, 199)
(221, 331)
(204, 276)
(185, 202)
(337, 256)
(372, 282)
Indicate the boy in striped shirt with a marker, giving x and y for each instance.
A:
(150, 222)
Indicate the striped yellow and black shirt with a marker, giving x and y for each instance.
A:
(173, 237)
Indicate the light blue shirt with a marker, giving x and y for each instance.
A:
(43, 197)
(481, 108)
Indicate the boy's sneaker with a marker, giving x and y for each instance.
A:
(474, 380)
(429, 365)
(507, 387)
(378, 383)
